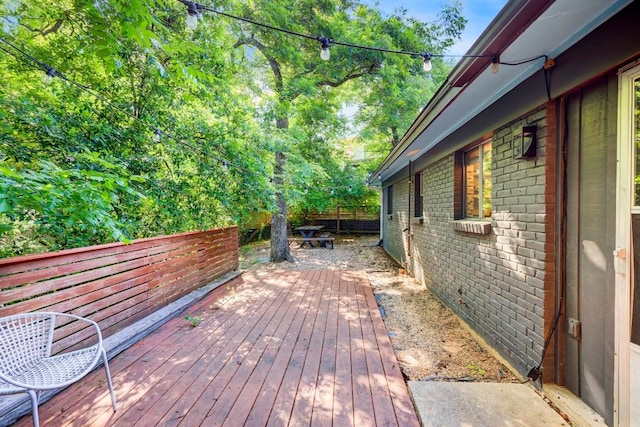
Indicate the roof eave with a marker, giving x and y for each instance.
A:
(510, 22)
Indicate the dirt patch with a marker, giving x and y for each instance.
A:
(429, 341)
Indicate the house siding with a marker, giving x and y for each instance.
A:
(394, 238)
(497, 282)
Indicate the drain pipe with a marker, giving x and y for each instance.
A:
(408, 229)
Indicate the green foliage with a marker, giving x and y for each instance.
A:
(476, 370)
(76, 169)
(78, 205)
(194, 321)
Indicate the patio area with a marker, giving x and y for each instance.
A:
(295, 347)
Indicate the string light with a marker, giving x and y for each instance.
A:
(157, 132)
(125, 111)
(193, 8)
(426, 62)
(324, 52)
(192, 21)
(50, 74)
(495, 64)
(327, 42)
(192, 17)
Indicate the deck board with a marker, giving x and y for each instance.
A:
(277, 348)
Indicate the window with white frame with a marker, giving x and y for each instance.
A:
(477, 181)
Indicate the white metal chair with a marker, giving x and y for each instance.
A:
(26, 364)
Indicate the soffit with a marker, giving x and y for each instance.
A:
(553, 31)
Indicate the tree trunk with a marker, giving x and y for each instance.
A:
(395, 137)
(279, 239)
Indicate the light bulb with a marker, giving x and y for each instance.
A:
(427, 65)
(326, 43)
(49, 75)
(192, 20)
(495, 64)
(47, 79)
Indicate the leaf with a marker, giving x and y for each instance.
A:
(104, 52)
(4, 205)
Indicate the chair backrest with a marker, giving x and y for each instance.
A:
(25, 338)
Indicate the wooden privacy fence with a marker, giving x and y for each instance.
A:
(350, 219)
(115, 284)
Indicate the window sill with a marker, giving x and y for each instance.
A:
(418, 220)
(472, 226)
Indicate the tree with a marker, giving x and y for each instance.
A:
(76, 169)
(296, 71)
(226, 97)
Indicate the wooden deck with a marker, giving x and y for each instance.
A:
(273, 348)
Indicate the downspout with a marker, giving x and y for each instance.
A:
(382, 209)
(408, 229)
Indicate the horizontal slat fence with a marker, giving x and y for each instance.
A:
(345, 213)
(349, 226)
(115, 284)
(349, 219)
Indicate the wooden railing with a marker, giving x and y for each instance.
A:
(115, 284)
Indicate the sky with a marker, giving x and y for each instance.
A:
(479, 13)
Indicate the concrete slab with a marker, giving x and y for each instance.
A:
(463, 404)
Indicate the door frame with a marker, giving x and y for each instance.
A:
(623, 255)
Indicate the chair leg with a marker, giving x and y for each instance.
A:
(108, 372)
(35, 396)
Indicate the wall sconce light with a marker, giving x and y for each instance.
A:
(524, 143)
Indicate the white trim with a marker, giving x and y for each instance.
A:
(634, 386)
(624, 254)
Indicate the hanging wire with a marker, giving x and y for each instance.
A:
(194, 8)
(20, 54)
(524, 61)
(157, 132)
(323, 40)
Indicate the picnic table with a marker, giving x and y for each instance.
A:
(308, 236)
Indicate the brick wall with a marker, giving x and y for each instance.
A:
(495, 282)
